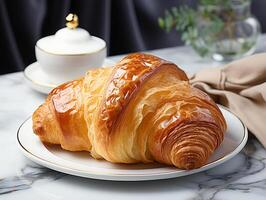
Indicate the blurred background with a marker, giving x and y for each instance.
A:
(126, 25)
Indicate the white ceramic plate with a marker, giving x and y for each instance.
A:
(41, 82)
(81, 164)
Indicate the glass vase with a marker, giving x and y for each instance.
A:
(228, 31)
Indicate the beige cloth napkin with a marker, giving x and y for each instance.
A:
(240, 86)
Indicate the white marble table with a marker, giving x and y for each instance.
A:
(243, 177)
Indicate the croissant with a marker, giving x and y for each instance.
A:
(141, 110)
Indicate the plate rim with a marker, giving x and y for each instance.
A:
(130, 177)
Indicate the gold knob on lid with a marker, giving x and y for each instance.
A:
(72, 21)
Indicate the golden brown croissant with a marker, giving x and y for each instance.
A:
(141, 110)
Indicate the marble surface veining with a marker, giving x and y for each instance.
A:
(243, 177)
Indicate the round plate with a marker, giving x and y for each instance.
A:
(82, 164)
(39, 81)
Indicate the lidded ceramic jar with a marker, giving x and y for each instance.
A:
(69, 53)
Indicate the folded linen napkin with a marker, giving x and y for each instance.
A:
(240, 86)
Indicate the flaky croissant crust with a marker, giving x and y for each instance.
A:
(141, 110)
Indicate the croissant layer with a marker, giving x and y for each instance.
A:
(141, 110)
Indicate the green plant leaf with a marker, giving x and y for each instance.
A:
(161, 23)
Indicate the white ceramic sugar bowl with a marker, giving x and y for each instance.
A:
(70, 52)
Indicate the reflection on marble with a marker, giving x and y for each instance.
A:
(29, 174)
(243, 177)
